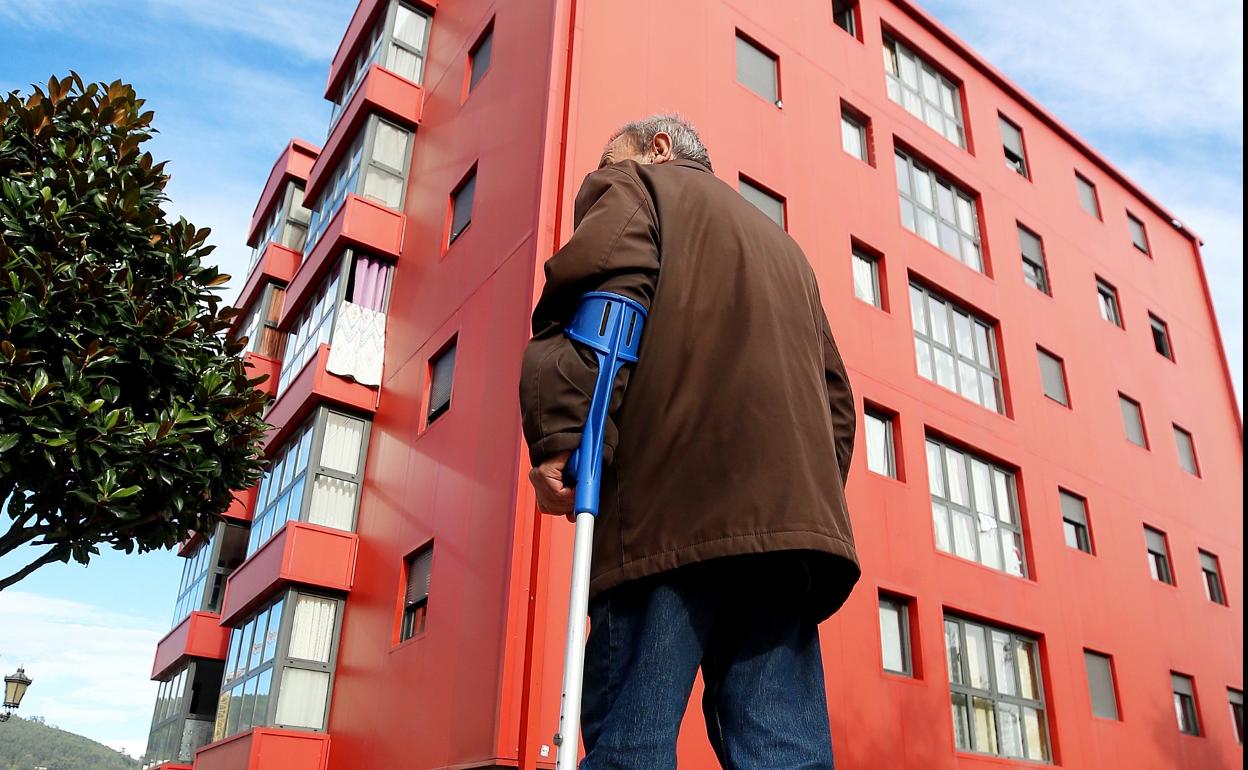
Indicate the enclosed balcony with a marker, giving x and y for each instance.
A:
(387, 33)
(292, 166)
(266, 748)
(182, 719)
(207, 565)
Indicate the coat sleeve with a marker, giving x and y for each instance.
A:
(615, 247)
(840, 400)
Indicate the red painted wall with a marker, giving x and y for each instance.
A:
(480, 685)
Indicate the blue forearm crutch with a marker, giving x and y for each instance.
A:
(610, 325)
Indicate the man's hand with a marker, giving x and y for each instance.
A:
(547, 480)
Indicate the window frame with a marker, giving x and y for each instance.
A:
(1083, 529)
(434, 413)
(744, 181)
(1160, 566)
(467, 182)
(1134, 223)
(1082, 183)
(1237, 712)
(1020, 165)
(485, 38)
(1181, 435)
(1186, 706)
(1108, 303)
(315, 427)
(953, 509)
(915, 168)
(1038, 262)
(874, 261)
(889, 420)
(853, 21)
(857, 121)
(994, 693)
(1160, 331)
(1112, 683)
(1215, 586)
(742, 37)
(926, 337)
(300, 348)
(1123, 401)
(895, 51)
(380, 39)
(282, 214)
(1046, 356)
(902, 605)
(414, 617)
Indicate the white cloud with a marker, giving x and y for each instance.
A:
(90, 666)
(308, 28)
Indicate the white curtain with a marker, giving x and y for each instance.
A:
(333, 503)
(341, 449)
(312, 629)
(359, 344)
(301, 702)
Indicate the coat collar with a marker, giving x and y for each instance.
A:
(690, 164)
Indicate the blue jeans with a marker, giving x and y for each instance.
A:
(740, 620)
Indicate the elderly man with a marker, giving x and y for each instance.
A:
(723, 538)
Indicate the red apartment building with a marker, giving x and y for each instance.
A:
(1046, 492)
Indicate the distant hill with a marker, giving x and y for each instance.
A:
(26, 744)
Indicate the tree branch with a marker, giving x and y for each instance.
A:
(18, 535)
(56, 554)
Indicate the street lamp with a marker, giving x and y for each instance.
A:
(14, 688)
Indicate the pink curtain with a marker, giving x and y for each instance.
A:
(371, 277)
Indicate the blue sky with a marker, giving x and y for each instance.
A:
(1159, 92)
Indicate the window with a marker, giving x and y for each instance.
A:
(866, 277)
(1107, 297)
(926, 94)
(995, 692)
(374, 166)
(895, 635)
(1133, 421)
(938, 211)
(441, 376)
(1035, 272)
(1101, 684)
(461, 206)
(955, 349)
(758, 69)
(279, 665)
(259, 326)
(315, 477)
(881, 452)
(398, 41)
(845, 14)
(286, 224)
(1053, 377)
(1158, 556)
(974, 509)
(183, 715)
(855, 138)
(771, 205)
(417, 569)
(1213, 578)
(204, 571)
(1075, 521)
(1012, 142)
(1139, 237)
(479, 57)
(1161, 336)
(1187, 451)
(1236, 698)
(1185, 703)
(1087, 196)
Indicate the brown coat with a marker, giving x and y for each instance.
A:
(737, 428)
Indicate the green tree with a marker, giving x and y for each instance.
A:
(126, 416)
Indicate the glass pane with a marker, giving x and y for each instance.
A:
(923, 357)
(918, 315)
(864, 279)
(961, 722)
(270, 637)
(891, 637)
(390, 146)
(383, 187)
(1011, 730)
(410, 27)
(405, 64)
(935, 470)
(312, 629)
(902, 171)
(968, 381)
(984, 724)
(988, 553)
(301, 701)
(1037, 742)
(923, 188)
(756, 70)
(341, 448)
(260, 716)
(1005, 503)
(1003, 662)
(953, 652)
(1012, 548)
(964, 535)
(955, 470)
(927, 227)
(944, 370)
(981, 486)
(235, 707)
(1024, 654)
(940, 521)
(988, 391)
(878, 460)
(333, 503)
(907, 215)
(977, 656)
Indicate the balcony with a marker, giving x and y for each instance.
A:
(257, 365)
(362, 22)
(200, 635)
(277, 264)
(299, 554)
(358, 222)
(381, 92)
(295, 163)
(266, 748)
(241, 509)
(312, 386)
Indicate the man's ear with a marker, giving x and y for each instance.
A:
(661, 146)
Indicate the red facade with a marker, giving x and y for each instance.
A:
(462, 671)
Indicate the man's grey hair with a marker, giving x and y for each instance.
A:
(686, 144)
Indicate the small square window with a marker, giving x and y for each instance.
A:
(855, 134)
(1236, 699)
(1075, 527)
(758, 69)
(479, 57)
(1139, 237)
(441, 375)
(845, 14)
(1133, 420)
(1187, 451)
(1053, 377)
(1212, 573)
(1101, 684)
(417, 570)
(1161, 336)
(895, 645)
(881, 449)
(770, 204)
(461, 206)
(1035, 273)
(867, 277)
(1185, 703)
(1158, 556)
(1087, 196)
(1012, 142)
(1107, 297)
